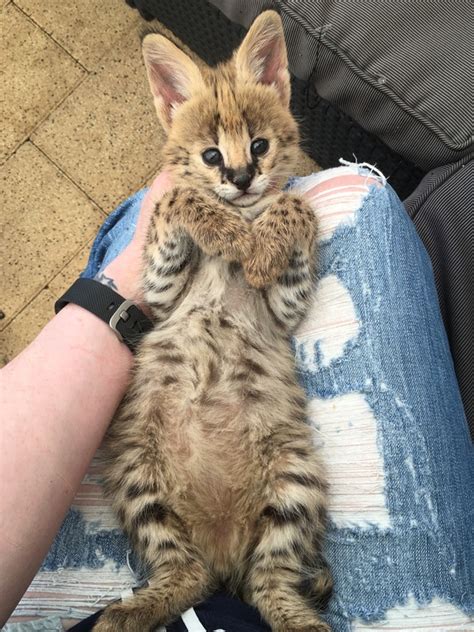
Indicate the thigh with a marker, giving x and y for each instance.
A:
(387, 416)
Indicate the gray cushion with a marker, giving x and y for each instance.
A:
(402, 70)
(442, 209)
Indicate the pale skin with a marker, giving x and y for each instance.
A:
(57, 399)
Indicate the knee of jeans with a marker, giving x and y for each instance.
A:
(336, 195)
(350, 182)
(388, 215)
(365, 171)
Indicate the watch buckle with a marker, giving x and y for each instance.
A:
(120, 314)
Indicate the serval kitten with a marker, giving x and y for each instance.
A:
(211, 464)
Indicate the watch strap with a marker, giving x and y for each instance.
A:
(122, 315)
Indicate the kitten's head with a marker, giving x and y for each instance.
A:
(229, 129)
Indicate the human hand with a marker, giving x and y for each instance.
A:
(124, 273)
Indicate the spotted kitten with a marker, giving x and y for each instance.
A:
(211, 465)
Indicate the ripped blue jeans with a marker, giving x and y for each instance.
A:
(384, 403)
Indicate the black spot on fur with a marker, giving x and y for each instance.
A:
(166, 545)
(129, 468)
(224, 322)
(169, 379)
(164, 307)
(171, 270)
(298, 548)
(306, 480)
(175, 358)
(138, 489)
(290, 304)
(254, 367)
(289, 279)
(151, 512)
(173, 198)
(301, 452)
(213, 375)
(253, 394)
(284, 516)
(121, 515)
(241, 376)
(162, 288)
(165, 344)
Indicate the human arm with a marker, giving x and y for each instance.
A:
(56, 400)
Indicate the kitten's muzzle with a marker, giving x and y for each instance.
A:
(241, 178)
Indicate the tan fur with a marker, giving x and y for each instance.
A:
(211, 465)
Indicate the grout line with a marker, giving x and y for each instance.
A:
(22, 309)
(101, 211)
(121, 199)
(45, 286)
(69, 177)
(33, 21)
(48, 283)
(27, 136)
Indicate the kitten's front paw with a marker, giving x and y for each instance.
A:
(263, 268)
(227, 236)
(234, 240)
(217, 230)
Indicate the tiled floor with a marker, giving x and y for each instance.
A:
(79, 135)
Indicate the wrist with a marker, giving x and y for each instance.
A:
(124, 275)
(92, 337)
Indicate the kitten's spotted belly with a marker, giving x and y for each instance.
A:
(212, 413)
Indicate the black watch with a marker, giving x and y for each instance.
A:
(123, 316)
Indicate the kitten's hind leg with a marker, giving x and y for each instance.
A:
(179, 580)
(287, 578)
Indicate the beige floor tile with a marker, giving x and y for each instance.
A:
(71, 272)
(46, 220)
(106, 135)
(26, 326)
(86, 29)
(36, 75)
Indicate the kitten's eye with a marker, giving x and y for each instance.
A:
(259, 146)
(212, 156)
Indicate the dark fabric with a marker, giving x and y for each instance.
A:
(327, 133)
(391, 66)
(219, 612)
(442, 208)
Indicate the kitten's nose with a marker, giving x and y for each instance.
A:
(242, 179)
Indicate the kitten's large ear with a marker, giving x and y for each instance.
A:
(262, 55)
(172, 75)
